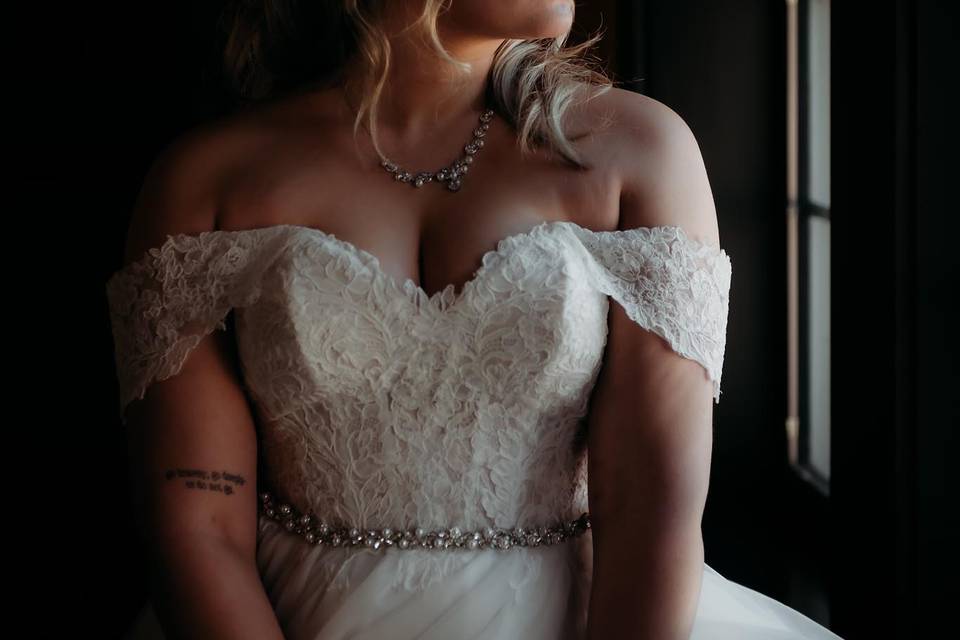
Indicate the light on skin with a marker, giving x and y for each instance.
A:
(421, 94)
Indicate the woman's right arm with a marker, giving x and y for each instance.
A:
(192, 445)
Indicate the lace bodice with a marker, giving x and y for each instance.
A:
(381, 405)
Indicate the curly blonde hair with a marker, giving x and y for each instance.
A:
(275, 46)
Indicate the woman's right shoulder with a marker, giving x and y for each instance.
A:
(181, 188)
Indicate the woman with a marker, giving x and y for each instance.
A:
(423, 357)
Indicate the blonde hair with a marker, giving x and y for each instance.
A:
(275, 46)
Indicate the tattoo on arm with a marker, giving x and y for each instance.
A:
(219, 481)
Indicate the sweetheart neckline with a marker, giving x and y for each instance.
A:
(446, 297)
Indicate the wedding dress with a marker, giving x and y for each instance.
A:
(384, 409)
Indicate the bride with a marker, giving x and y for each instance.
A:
(365, 348)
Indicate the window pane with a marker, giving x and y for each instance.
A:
(816, 218)
(818, 103)
(818, 344)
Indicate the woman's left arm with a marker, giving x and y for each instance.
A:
(650, 421)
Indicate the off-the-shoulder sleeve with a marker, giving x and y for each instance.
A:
(162, 305)
(670, 284)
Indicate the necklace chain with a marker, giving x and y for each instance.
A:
(453, 174)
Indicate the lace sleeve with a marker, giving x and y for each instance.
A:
(162, 305)
(670, 284)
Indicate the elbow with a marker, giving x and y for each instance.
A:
(646, 584)
(650, 497)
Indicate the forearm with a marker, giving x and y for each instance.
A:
(205, 588)
(646, 584)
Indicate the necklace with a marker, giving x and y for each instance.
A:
(452, 174)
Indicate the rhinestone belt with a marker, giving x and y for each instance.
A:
(315, 531)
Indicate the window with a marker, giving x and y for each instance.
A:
(808, 248)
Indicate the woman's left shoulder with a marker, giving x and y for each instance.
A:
(659, 165)
(637, 120)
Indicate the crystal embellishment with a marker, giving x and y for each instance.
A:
(315, 531)
(453, 174)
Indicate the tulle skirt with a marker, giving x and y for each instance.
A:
(536, 593)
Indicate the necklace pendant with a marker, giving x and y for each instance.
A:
(422, 178)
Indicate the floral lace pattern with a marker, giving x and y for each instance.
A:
(671, 285)
(381, 405)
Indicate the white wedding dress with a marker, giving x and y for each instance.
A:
(382, 406)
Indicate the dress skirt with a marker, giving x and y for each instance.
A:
(529, 593)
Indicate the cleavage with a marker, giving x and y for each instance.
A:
(444, 258)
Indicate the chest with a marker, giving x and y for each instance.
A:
(433, 238)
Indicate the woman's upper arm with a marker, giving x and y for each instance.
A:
(190, 430)
(650, 431)
(649, 434)
(651, 414)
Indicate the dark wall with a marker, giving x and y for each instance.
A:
(895, 276)
(938, 280)
(98, 89)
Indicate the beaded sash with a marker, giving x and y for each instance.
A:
(315, 531)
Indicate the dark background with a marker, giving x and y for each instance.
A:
(105, 86)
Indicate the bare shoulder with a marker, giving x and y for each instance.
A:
(660, 168)
(179, 191)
